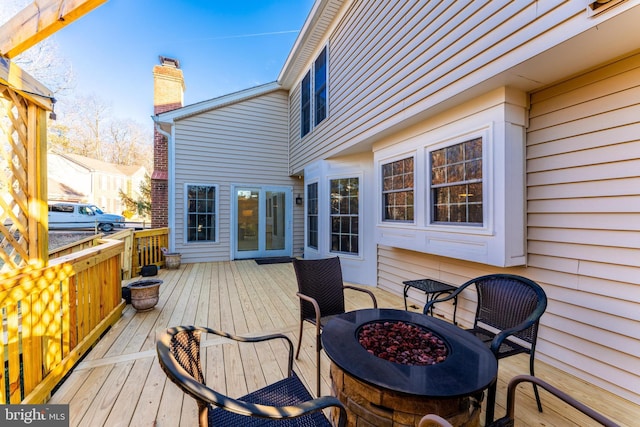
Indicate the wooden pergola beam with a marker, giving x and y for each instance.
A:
(38, 21)
(16, 78)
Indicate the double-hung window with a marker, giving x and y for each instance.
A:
(397, 190)
(345, 199)
(201, 206)
(305, 105)
(320, 87)
(456, 183)
(313, 94)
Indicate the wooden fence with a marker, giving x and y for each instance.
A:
(52, 316)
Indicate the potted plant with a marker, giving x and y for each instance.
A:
(171, 259)
(145, 293)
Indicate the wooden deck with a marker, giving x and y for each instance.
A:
(120, 382)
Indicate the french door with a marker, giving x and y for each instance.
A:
(263, 222)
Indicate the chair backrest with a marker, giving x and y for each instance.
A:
(320, 279)
(507, 300)
(179, 347)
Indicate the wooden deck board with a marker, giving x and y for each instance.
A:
(120, 383)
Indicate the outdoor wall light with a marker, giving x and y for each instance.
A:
(299, 200)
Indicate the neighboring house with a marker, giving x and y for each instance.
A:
(445, 140)
(81, 179)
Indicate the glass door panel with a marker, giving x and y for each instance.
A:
(275, 212)
(247, 230)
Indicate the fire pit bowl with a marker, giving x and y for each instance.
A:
(403, 343)
(382, 391)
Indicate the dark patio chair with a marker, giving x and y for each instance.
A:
(507, 319)
(283, 403)
(321, 293)
(509, 419)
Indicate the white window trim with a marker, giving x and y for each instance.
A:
(185, 239)
(380, 199)
(319, 216)
(360, 177)
(486, 228)
(312, 103)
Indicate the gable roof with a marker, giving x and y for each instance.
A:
(95, 165)
(211, 104)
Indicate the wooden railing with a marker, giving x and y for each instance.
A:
(51, 316)
(87, 242)
(147, 248)
(141, 247)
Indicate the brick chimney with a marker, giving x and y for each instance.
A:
(168, 94)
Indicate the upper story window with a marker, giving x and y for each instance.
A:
(397, 190)
(305, 105)
(313, 104)
(456, 183)
(201, 213)
(320, 87)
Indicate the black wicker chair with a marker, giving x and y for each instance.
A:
(284, 403)
(321, 293)
(509, 419)
(507, 319)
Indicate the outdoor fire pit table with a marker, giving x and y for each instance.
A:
(382, 392)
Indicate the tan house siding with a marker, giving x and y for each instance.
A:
(244, 143)
(583, 228)
(383, 70)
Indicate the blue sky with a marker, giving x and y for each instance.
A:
(222, 46)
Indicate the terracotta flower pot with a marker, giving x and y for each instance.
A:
(145, 294)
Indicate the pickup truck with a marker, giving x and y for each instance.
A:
(64, 215)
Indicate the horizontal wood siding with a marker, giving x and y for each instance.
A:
(383, 70)
(243, 143)
(583, 157)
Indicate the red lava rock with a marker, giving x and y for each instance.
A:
(402, 343)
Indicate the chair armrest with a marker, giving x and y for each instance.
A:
(527, 323)
(366, 291)
(316, 306)
(511, 392)
(452, 295)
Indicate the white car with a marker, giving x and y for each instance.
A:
(64, 215)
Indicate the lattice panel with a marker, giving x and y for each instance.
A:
(14, 183)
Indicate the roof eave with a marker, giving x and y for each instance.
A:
(190, 110)
(310, 36)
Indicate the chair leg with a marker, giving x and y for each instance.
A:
(491, 403)
(203, 415)
(535, 387)
(318, 349)
(299, 339)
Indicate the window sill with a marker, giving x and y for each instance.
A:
(479, 245)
